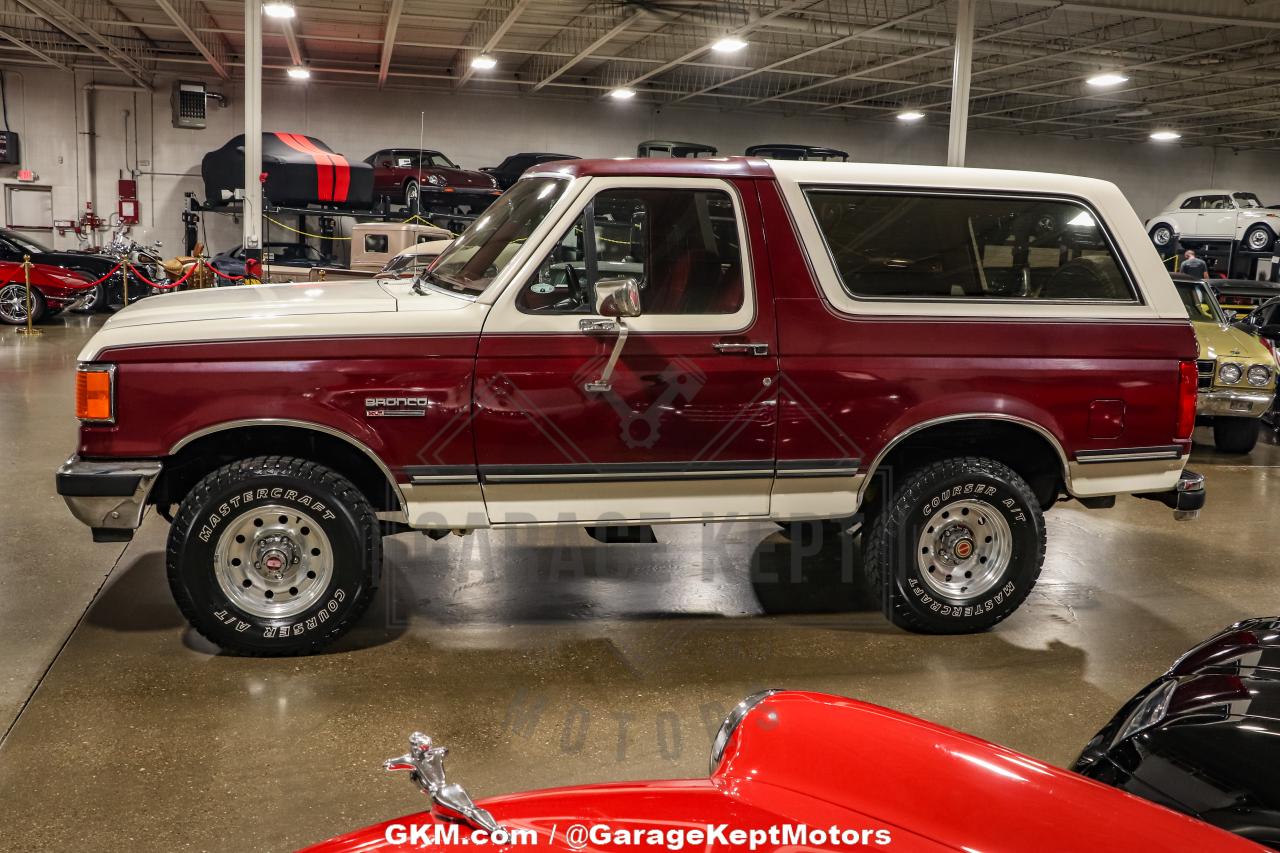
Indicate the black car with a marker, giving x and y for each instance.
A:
(1264, 321)
(13, 246)
(301, 171)
(1204, 738)
(1239, 296)
(509, 170)
(782, 151)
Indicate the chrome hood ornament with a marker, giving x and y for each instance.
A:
(449, 801)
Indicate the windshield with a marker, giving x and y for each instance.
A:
(1246, 200)
(477, 257)
(1201, 306)
(25, 243)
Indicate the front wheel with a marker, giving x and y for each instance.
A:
(411, 193)
(1235, 435)
(13, 304)
(1259, 239)
(958, 548)
(273, 556)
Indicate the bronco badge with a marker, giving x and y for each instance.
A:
(395, 407)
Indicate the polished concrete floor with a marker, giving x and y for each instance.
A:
(540, 659)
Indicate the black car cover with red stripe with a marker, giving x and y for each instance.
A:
(300, 170)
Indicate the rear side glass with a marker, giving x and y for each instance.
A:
(904, 246)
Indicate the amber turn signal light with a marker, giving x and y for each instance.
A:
(93, 394)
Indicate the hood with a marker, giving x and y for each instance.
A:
(462, 177)
(1230, 343)
(347, 308)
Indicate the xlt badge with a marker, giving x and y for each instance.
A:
(395, 407)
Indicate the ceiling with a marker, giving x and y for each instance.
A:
(1207, 69)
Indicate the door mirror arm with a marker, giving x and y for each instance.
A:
(616, 298)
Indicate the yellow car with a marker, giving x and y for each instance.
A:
(1237, 372)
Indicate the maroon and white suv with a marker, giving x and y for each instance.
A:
(626, 343)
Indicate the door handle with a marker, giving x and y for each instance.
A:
(744, 348)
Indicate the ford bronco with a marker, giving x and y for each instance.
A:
(939, 355)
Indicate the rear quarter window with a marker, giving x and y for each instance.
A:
(953, 247)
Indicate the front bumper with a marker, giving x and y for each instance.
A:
(108, 496)
(1186, 499)
(1235, 403)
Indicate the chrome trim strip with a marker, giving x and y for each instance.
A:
(731, 723)
(1129, 454)
(290, 422)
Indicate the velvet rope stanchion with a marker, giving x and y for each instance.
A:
(26, 273)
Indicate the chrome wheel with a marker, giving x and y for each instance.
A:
(964, 549)
(13, 303)
(411, 196)
(90, 303)
(1259, 240)
(274, 562)
(1161, 235)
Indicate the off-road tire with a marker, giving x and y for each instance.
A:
(1235, 435)
(217, 503)
(891, 542)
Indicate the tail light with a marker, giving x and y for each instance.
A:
(95, 393)
(1186, 400)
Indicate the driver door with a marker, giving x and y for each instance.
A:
(684, 427)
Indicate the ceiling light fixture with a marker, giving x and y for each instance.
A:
(622, 93)
(299, 72)
(484, 62)
(910, 115)
(279, 9)
(729, 44)
(1103, 81)
(1166, 135)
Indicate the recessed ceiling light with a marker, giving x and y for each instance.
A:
(622, 93)
(279, 9)
(1102, 81)
(910, 115)
(299, 72)
(1166, 135)
(729, 44)
(484, 62)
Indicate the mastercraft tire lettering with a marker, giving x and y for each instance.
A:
(273, 556)
(959, 547)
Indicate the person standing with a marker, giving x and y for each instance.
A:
(1193, 266)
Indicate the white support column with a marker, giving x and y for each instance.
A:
(961, 75)
(252, 219)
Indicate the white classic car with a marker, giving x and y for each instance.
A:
(1216, 215)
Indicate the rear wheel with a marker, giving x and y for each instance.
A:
(13, 304)
(958, 548)
(273, 556)
(1235, 435)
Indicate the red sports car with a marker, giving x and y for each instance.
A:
(805, 771)
(52, 290)
(428, 180)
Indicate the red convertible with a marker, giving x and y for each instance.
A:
(53, 289)
(804, 771)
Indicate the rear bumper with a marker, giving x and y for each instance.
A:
(1220, 402)
(110, 497)
(1187, 498)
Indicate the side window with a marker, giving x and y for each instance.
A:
(1217, 202)
(896, 246)
(1193, 203)
(375, 242)
(680, 245)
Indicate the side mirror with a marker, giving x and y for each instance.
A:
(618, 297)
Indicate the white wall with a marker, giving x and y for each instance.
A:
(476, 130)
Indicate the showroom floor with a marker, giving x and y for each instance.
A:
(539, 659)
